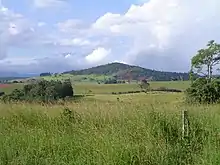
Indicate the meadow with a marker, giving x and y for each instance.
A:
(138, 129)
(95, 88)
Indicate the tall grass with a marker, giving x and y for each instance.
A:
(109, 133)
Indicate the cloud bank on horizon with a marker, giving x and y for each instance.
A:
(157, 34)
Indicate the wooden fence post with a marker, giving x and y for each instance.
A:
(185, 124)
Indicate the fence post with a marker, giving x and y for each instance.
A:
(185, 124)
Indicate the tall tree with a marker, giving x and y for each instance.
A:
(206, 59)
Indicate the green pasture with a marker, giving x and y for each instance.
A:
(130, 129)
(95, 88)
(136, 129)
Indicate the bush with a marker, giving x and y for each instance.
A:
(15, 81)
(111, 81)
(45, 74)
(43, 91)
(204, 91)
(2, 93)
(128, 92)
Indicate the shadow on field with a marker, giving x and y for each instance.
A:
(161, 89)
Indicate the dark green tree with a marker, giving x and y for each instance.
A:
(42, 91)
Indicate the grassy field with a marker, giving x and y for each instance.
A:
(82, 88)
(138, 129)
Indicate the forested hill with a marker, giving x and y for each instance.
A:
(124, 71)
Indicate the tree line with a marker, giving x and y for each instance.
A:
(41, 91)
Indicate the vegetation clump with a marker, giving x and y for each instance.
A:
(144, 85)
(164, 89)
(43, 91)
(205, 89)
(45, 74)
(2, 93)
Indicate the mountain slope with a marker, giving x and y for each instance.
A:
(124, 71)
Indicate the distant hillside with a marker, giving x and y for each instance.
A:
(125, 72)
(15, 75)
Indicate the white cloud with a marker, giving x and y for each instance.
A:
(49, 3)
(155, 34)
(163, 28)
(15, 29)
(75, 32)
(97, 55)
(8, 29)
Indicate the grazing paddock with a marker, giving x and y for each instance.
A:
(144, 128)
(8, 88)
(95, 88)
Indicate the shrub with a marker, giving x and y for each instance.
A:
(15, 81)
(111, 81)
(203, 91)
(2, 93)
(45, 74)
(43, 91)
(144, 85)
(128, 92)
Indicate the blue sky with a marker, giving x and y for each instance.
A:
(86, 10)
(60, 35)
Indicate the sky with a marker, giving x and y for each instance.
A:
(60, 35)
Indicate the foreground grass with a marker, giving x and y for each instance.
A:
(100, 131)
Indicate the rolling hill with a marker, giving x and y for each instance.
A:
(125, 72)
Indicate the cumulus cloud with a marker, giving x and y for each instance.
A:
(169, 28)
(15, 29)
(7, 28)
(73, 32)
(56, 63)
(97, 55)
(155, 34)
